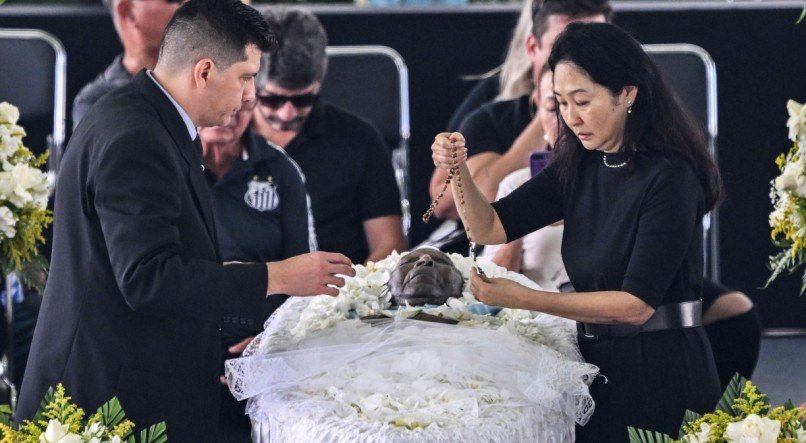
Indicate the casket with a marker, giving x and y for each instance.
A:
(319, 373)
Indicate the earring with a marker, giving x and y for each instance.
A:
(629, 107)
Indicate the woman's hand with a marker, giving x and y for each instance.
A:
(495, 291)
(448, 150)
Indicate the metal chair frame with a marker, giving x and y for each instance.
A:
(710, 221)
(59, 84)
(400, 153)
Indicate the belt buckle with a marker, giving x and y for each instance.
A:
(583, 335)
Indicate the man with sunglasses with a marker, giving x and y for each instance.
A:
(347, 166)
(140, 25)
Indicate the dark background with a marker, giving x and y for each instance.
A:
(760, 57)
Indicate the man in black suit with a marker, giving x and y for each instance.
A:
(136, 293)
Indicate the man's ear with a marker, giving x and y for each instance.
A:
(532, 46)
(123, 10)
(203, 71)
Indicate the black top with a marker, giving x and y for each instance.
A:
(495, 126)
(349, 176)
(483, 91)
(260, 206)
(113, 77)
(635, 229)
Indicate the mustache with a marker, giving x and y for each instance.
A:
(294, 122)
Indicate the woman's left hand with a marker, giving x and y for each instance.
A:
(494, 291)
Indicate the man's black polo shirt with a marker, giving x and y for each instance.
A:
(349, 177)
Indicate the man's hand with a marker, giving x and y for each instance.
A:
(314, 273)
(236, 350)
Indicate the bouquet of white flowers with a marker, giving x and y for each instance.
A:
(788, 194)
(24, 191)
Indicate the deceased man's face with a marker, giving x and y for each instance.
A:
(425, 276)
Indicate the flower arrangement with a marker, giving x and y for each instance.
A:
(24, 191)
(743, 414)
(788, 195)
(60, 421)
(367, 294)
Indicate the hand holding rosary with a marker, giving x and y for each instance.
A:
(453, 173)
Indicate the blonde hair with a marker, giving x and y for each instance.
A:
(515, 79)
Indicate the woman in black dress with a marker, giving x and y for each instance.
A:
(632, 179)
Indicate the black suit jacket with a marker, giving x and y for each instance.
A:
(135, 294)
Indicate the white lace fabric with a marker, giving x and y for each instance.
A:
(316, 375)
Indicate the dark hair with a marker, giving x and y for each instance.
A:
(615, 60)
(300, 58)
(542, 9)
(218, 29)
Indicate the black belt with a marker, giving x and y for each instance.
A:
(670, 316)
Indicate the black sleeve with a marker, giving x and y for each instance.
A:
(533, 205)
(481, 134)
(380, 195)
(711, 290)
(296, 223)
(483, 91)
(137, 195)
(669, 217)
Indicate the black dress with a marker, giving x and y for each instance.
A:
(636, 229)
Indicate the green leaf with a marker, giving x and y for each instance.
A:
(800, 19)
(112, 413)
(788, 406)
(643, 436)
(5, 415)
(688, 417)
(49, 396)
(732, 392)
(157, 433)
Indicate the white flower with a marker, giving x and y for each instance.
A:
(28, 185)
(115, 439)
(801, 435)
(788, 180)
(753, 429)
(9, 113)
(699, 437)
(95, 430)
(9, 142)
(58, 433)
(7, 223)
(797, 120)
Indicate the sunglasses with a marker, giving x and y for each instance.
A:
(276, 101)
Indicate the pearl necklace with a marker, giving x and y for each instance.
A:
(604, 160)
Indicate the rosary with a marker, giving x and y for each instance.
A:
(454, 172)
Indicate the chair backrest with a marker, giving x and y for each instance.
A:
(373, 83)
(33, 74)
(691, 74)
